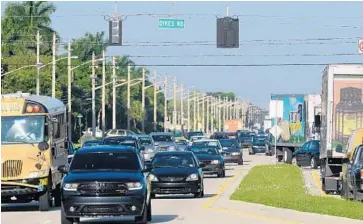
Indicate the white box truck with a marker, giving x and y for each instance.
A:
(341, 114)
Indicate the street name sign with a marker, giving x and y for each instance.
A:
(171, 23)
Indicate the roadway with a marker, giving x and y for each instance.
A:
(215, 207)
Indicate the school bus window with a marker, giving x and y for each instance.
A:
(58, 131)
(24, 129)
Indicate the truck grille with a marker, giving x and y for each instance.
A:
(12, 168)
(171, 179)
(102, 189)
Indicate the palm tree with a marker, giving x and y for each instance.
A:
(83, 47)
(22, 20)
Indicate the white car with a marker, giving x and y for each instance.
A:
(208, 142)
(195, 138)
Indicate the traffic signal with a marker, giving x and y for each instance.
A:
(227, 32)
(115, 33)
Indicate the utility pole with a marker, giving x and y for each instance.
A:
(198, 113)
(194, 111)
(69, 93)
(212, 112)
(128, 95)
(93, 94)
(203, 114)
(165, 101)
(181, 105)
(53, 63)
(38, 63)
(155, 102)
(174, 101)
(219, 113)
(103, 93)
(188, 116)
(207, 123)
(143, 101)
(113, 92)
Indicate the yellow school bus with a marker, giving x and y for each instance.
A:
(33, 145)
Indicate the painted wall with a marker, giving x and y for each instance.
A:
(289, 115)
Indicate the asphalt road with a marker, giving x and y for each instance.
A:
(215, 207)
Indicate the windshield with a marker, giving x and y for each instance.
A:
(181, 142)
(119, 141)
(105, 161)
(247, 134)
(204, 150)
(24, 129)
(181, 160)
(162, 138)
(258, 139)
(145, 140)
(229, 143)
(205, 143)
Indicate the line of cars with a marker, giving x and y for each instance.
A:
(119, 175)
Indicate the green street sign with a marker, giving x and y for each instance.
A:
(171, 23)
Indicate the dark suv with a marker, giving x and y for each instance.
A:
(105, 181)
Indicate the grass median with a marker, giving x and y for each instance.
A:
(282, 186)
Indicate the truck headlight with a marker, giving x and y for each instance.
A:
(153, 178)
(70, 187)
(37, 174)
(134, 185)
(215, 162)
(192, 177)
(235, 153)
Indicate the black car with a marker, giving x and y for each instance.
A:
(132, 141)
(232, 152)
(308, 154)
(176, 172)
(105, 181)
(209, 156)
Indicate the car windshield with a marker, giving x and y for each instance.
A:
(173, 160)
(105, 161)
(91, 143)
(258, 139)
(145, 140)
(197, 133)
(203, 150)
(247, 134)
(24, 129)
(205, 143)
(120, 141)
(228, 143)
(162, 138)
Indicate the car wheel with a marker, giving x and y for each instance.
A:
(45, 201)
(199, 194)
(313, 164)
(65, 219)
(143, 218)
(149, 213)
(57, 196)
(240, 162)
(152, 195)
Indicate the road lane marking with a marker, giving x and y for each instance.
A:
(209, 204)
(316, 178)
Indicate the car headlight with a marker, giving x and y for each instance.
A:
(192, 177)
(171, 148)
(153, 178)
(215, 162)
(235, 153)
(134, 185)
(37, 174)
(70, 187)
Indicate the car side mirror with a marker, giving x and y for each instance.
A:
(63, 169)
(346, 160)
(201, 165)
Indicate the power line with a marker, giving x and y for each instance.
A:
(242, 55)
(228, 65)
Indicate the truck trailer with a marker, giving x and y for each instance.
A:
(287, 114)
(341, 115)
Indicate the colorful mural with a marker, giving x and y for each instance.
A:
(292, 122)
(347, 110)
